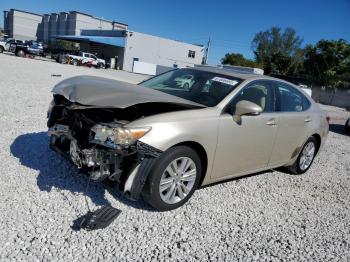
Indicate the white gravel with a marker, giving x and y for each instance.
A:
(271, 216)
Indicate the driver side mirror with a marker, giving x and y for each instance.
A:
(245, 107)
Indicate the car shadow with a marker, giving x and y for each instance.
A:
(33, 151)
(338, 128)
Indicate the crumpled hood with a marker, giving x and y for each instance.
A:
(103, 92)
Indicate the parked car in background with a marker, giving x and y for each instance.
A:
(306, 89)
(3, 41)
(185, 81)
(347, 126)
(13, 41)
(163, 142)
(2, 45)
(86, 58)
(32, 48)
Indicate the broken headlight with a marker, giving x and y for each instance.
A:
(118, 135)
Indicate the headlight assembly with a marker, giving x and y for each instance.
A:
(118, 135)
(52, 104)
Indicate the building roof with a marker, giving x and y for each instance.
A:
(31, 13)
(114, 41)
(99, 18)
(17, 10)
(161, 37)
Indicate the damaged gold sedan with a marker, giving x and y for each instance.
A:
(162, 140)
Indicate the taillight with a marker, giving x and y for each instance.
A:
(328, 118)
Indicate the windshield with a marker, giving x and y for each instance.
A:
(206, 88)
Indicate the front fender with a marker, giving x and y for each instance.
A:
(165, 135)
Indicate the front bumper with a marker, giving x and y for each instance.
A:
(129, 167)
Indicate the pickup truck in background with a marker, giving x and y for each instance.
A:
(31, 48)
(13, 41)
(82, 58)
(3, 42)
(2, 45)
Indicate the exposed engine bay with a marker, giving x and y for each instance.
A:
(87, 122)
(95, 140)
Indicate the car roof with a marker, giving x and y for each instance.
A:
(229, 72)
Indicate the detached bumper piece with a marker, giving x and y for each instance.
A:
(99, 219)
(129, 167)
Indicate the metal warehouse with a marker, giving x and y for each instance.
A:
(132, 51)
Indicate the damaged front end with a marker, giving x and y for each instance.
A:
(98, 143)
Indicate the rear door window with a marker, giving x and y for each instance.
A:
(289, 99)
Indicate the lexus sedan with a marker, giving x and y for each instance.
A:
(162, 142)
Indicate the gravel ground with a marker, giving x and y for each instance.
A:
(271, 216)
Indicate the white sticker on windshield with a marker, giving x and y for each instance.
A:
(225, 81)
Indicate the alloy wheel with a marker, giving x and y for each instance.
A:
(307, 155)
(177, 180)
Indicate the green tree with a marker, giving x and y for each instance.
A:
(279, 52)
(67, 45)
(328, 63)
(237, 59)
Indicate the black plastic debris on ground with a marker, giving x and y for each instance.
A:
(98, 219)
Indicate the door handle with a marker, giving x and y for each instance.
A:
(271, 122)
(308, 119)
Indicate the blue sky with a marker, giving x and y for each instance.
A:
(230, 24)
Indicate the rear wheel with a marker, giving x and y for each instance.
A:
(1, 49)
(173, 179)
(20, 53)
(75, 62)
(305, 158)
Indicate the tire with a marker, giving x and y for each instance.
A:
(298, 168)
(75, 62)
(20, 53)
(152, 193)
(1, 49)
(347, 127)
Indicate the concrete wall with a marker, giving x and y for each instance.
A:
(23, 25)
(53, 25)
(160, 51)
(62, 23)
(45, 28)
(162, 69)
(71, 23)
(327, 96)
(89, 22)
(6, 21)
(29, 26)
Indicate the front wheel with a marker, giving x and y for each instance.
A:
(305, 158)
(1, 49)
(173, 178)
(20, 53)
(347, 126)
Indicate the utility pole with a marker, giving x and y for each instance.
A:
(207, 52)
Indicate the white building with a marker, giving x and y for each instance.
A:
(133, 51)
